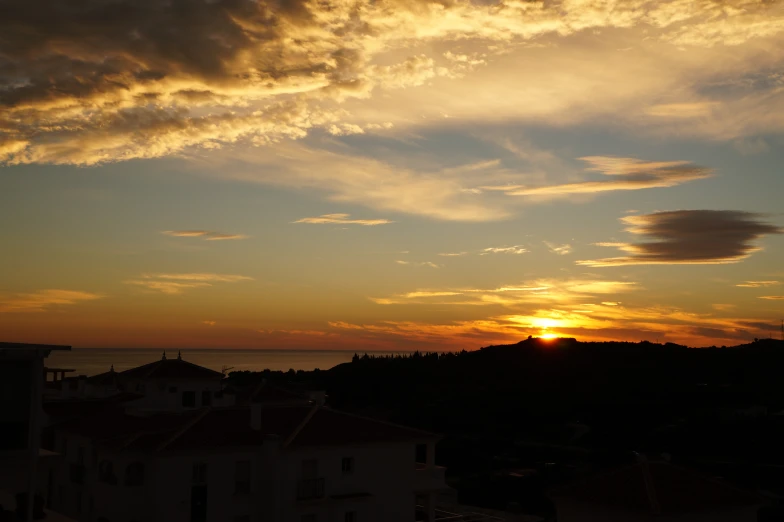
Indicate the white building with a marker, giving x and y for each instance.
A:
(280, 458)
(163, 385)
(25, 468)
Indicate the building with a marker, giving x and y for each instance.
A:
(164, 385)
(654, 491)
(163, 449)
(26, 470)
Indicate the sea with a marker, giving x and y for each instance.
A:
(92, 361)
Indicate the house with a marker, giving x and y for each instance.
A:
(169, 384)
(654, 491)
(26, 470)
(272, 456)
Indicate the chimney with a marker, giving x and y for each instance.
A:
(255, 416)
(80, 385)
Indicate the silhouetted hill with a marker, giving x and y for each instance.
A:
(540, 402)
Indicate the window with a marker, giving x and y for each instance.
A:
(200, 473)
(91, 504)
(206, 398)
(189, 399)
(242, 476)
(134, 474)
(348, 465)
(64, 446)
(351, 516)
(78, 502)
(61, 497)
(106, 472)
(80, 455)
(310, 517)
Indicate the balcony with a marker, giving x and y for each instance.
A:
(429, 478)
(310, 489)
(77, 473)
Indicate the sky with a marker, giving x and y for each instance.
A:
(390, 174)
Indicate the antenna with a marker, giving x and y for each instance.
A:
(225, 369)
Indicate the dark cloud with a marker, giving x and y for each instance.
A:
(690, 237)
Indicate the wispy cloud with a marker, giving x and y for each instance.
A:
(772, 297)
(758, 284)
(206, 235)
(626, 174)
(342, 219)
(173, 284)
(453, 254)
(209, 323)
(561, 250)
(537, 291)
(516, 249)
(429, 264)
(690, 237)
(43, 300)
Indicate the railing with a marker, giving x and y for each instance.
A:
(310, 489)
(77, 472)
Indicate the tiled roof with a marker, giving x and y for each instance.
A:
(656, 487)
(230, 427)
(170, 369)
(269, 394)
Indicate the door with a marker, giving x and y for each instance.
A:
(199, 503)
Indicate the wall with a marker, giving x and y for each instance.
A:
(384, 471)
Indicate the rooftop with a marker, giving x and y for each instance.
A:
(295, 426)
(170, 369)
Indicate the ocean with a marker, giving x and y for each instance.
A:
(92, 361)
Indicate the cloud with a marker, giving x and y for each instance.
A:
(43, 300)
(758, 284)
(561, 250)
(206, 235)
(627, 174)
(342, 219)
(429, 264)
(690, 237)
(537, 291)
(517, 249)
(453, 254)
(772, 297)
(108, 81)
(209, 323)
(173, 284)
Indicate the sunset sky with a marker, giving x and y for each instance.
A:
(390, 174)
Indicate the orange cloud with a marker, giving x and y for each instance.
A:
(207, 235)
(342, 219)
(174, 284)
(43, 300)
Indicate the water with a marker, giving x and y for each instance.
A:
(91, 361)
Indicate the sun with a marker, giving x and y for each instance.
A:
(548, 336)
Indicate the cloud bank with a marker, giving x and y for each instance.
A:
(92, 81)
(690, 237)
